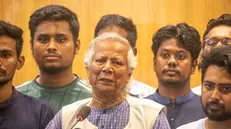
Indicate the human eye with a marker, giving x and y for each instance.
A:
(43, 39)
(61, 39)
(100, 61)
(164, 55)
(226, 89)
(6, 55)
(117, 63)
(227, 41)
(180, 56)
(209, 86)
(212, 42)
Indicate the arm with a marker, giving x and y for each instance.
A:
(56, 122)
(46, 115)
(161, 122)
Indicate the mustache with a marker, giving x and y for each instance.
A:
(2, 71)
(214, 103)
(52, 54)
(171, 70)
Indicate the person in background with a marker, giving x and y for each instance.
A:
(54, 32)
(216, 89)
(218, 33)
(125, 28)
(17, 111)
(176, 49)
(110, 62)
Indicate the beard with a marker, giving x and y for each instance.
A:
(4, 81)
(170, 83)
(216, 115)
(52, 69)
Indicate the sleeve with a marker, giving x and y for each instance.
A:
(161, 122)
(46, 116)
(56, 122)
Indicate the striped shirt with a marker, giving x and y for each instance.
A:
(59, 96)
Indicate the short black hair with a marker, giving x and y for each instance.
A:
(219, 56)
(118, 21)
(54, 13)
(224, 19)
(187, 37)
(14, 32)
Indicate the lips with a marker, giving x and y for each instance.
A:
(171, 71)
(105, 80)
(51, 56)
(214, 107)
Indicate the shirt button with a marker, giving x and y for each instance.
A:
(172, 119)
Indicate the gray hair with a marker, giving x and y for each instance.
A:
(132, 61)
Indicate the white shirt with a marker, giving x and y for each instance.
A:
(197, 90)
(200, 124)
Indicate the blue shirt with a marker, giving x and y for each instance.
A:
(186, 109)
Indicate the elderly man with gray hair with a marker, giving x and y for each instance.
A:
(110, 63)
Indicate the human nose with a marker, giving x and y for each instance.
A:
(172, 61)
(215, 94)
(107, 69)
(52, 46)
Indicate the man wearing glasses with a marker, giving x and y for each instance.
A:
(218, 33)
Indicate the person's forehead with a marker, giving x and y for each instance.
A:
(171, 45)
(62, 26)
(220, 31)
(114, 29)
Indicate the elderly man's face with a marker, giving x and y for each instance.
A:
(108, 72)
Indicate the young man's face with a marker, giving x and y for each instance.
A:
(53, 47)
(216, 93)
(173, 64)
(218, 36)
(9, 61)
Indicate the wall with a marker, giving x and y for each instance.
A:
(149, 15)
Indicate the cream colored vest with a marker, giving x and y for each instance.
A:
(143, 114)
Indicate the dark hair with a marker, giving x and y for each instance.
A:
(224, 19)
(187, 37)
(119, 21)
(13, 32)
(219, 56)
(54, 13)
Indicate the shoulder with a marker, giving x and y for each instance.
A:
(74, 106)
(33, 101)
(197, 90)
(199, 124)
(140, 89)
(146, 104)
(24, 86)
(83, 83)
(35, 106)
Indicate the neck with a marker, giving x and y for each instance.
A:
(209, 124)
(106, 101)
(6, 91)
(173, 91)
(56, 79)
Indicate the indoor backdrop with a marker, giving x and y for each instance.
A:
(148, 15)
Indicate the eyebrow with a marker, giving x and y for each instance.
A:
(219, 84)
(180, 51)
